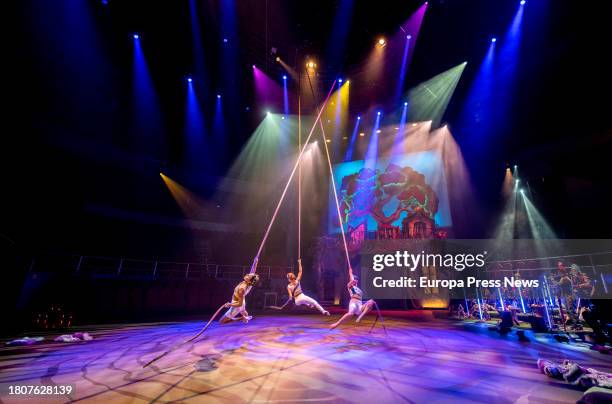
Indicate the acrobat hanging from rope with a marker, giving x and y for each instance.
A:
(356, 306)
(294, 289)
(237, 307)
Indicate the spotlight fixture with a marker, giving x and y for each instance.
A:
(381, 42)
(348, 82)
(328, 140)
(515, 166)
(224, 40)
(136, 36)
(284, 77)
(522, 191)
(189, 79)
(311, 65)
(278, 59)
(362, 134)
(218, 96)
(378, 131)
(268, 113)
(282, 117)
(493, 40)
(406, 103)
(358, 118)
(378, 113)
(340, 81)
(408, 36)
(253, 66)
(523, 2)
(414, 124)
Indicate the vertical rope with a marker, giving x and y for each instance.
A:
(299, 252)
(297, 163)
(331, 175)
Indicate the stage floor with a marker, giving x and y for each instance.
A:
(297, 359)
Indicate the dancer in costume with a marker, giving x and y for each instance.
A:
(356, 305)
(237, 307)
(295, 291)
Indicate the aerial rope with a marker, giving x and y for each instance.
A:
(333, 181)
(296, 165)
(186, 341)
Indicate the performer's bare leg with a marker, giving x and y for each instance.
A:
(337, 323)
(365, 309)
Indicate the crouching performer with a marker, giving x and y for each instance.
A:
(237, 307)
(295, 292)
(356, 305)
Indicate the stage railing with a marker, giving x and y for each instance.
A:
(120, 267)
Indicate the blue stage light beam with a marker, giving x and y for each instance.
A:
(285, 97)
(501, 300)
(477, 118)
(351, 147)
(146, 118)
(402, 76)
(195, 131)
(399, 136)
(372, 151)
(506, 65)
(198, 48)
(336, 49)
(218, 127)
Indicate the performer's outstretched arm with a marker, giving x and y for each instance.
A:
(299, 275)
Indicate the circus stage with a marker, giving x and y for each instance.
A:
(297, 359)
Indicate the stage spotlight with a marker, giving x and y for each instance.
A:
(414, 124)
(224, 40)
(378, 131)
(493, 40)
(523, 2)
(381, 42)
(362, 134)
(378, 113)
(189, 79)
(345, 137)
(348, 82)
(408, 36)
(253, 66)
(136, 36)
(358, 118)
(278, 59)
(311, 65)
(515, 166)
(268, 113)
(284, 77)
(406, 103)
(282, 117)
(218, 95)
(340, 81)
(328, 140)
(522, 191)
